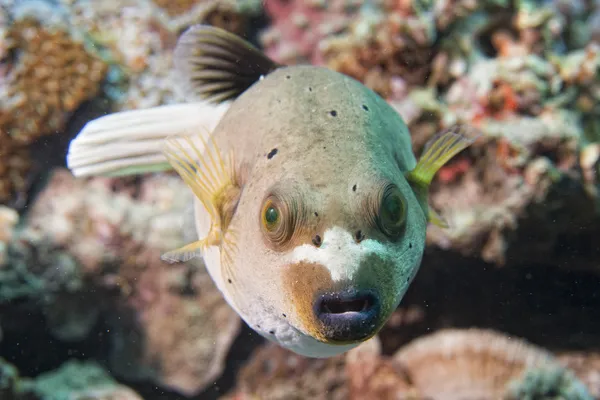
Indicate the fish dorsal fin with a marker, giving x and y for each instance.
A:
(439, 150)
(217, 64)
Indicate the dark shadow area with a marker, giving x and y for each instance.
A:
(29, 345)
(549, 306)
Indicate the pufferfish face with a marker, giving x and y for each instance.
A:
(338, 260)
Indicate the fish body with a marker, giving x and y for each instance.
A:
(310, 206)
(326, 143)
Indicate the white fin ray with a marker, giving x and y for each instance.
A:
(131, 142)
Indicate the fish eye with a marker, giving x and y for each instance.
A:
(270, 216)
(277, 221)
(392, 211)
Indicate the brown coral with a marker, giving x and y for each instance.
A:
(53, 76)
(170, 324)
(398, 54)
(468, 364)
(276, 373)
(50, 76)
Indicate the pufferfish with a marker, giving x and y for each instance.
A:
(310, 207)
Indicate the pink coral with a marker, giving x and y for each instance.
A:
(299, 25)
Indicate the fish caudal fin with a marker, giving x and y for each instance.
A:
(438, 151)
(219, 65)
(210, 176)
(131, 142)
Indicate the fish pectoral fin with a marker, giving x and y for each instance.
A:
(130, 142)
(437, 219)
(219, 65)
(439, 150)
(185, 253)
(202, 167)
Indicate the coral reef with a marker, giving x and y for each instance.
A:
(520, 73)
(448, 364)
(167, 323)
(46, 73)
(55, 55)
(75, 380)
(85, 254)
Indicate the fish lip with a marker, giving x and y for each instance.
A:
(348, 316)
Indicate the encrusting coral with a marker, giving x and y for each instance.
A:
(167, 323)
(517, 72)
(55, 55)
(448, 364)
(75, 380)
(45, 74)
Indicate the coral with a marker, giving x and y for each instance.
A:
(586, 365)
(373, 376)
(8, 220)
(231, 15)
(78, 380)
(397, 54)
(276, 373)
(547, 383)
(526, 108)
(298, 27)
(475, 363)
(91, 248)
(9, 381)
(447, 364)
(45, 74)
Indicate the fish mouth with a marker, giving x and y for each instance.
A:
(348, 316)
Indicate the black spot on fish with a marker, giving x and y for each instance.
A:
(229, 280)
(365, 107)
(316, 214)
(284, 316)
(410, 245)
(309, 89)
(408, 279)
(317, 241)
(258, 326)
(272, 332)
(354, 188)
(272, 153)
(287, 77)
(333, 113)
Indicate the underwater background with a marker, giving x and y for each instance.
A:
(89, 311)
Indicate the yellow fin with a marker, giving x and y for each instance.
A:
(185, 253)
(437, 219)
(204, 170)
(439, 150)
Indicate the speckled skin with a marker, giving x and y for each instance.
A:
(337, 144)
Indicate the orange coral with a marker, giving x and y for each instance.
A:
(217, 13)
(399, 47)
(176, 7)
(53, 75)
